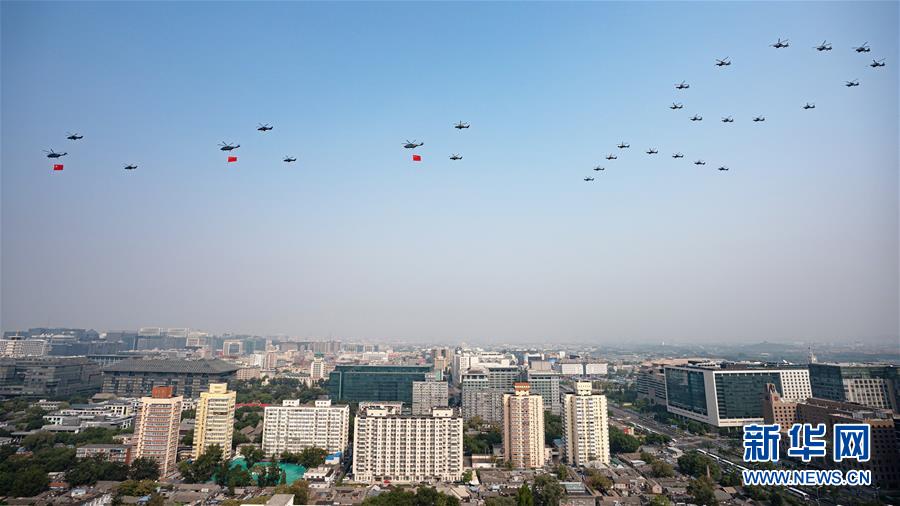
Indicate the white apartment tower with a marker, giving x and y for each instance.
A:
(523, 428)
(407, 448)
(317, 369)
(292, 427)
(586, 426)
(427, 395)
(156, 428)
(214, 420)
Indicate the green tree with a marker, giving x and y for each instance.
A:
(697, 465)
(599, 481)
(143, 468)
(188, 438)
(619, 442)
(239, 438)
(38, 440)
(88, 471)
(201, 469)
(54, 459)
(501, 500)
(30, 482)
(136, 488)
(308, 457)
(701, 490)
(188, 414)
(660, 500)
(553, 427)
(299, 489)
(562, 472)
(524, 496)
(662, 469)
(547, 491)
(252, 455)
(731, 479)
(467, 476)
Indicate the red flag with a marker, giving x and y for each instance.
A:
(232, 159)
(57, 166)
(417, 158)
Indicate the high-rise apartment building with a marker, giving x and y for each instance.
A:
(214, 420)
(292, 427)
(546, 384)
(730, 394)
(156, 428)
(523, 428)
(872, 385)
(427, 395)
(317, 369)
(586, 426)
(407, 448)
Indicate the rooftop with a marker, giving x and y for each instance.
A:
(213, 366)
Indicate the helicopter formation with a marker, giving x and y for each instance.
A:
(780, 43)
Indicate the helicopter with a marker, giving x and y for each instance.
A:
(54, 154)
(682, 86)
(264, 128)
(224, 146)
(611, 156)
(852, 83)
(677, 155)
(809, 106)
(723, 62)
(130, 167)
(651, 151)
(781, 43)
(599, 168)
(722, 168)
(864, 48)
(757, 119)
(622, 145)
(676, 106)
(727, 119)
(588, 179)
(824, 46)
(696, 118)
(455, 157)
(461, 125)
(289, 159)
(877, 63)
(699, 162)
(74, 137)
(413, 144)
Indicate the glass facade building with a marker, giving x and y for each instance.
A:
(686, 389)
(356, 383)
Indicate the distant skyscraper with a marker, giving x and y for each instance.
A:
(427, 395)
(292, 427)
(156, 428)
(523, 428)
(214, 420)
(586, 426)
(407, 448)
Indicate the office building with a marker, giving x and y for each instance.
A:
(596, 369)
(546, 384)
(523, 428)
(407, 448)
(317, 369)
(355, 383)
(730, 394)
(156, 428)
(292, 427)
(21, 346)
(571, 368)
(214, 422)
(441, 359)
(586, 427)
(884, 423)
(136, 378)
(232, 348)
(48, 377)
(427, 395)
(110, 452)
(872, 385)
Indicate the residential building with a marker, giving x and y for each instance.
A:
(292, 427)
(214, 422)
(872, 385)
(21, 346)
(523, 428)
(407, 448)
(232, 348)
(479, 399)
(728, 394)
(156, 428)
(596, 369)
(884, 429)
(355, 383)
(317, 369)
(48, 377)
(586, 427)
(571, 368)
(112, 452)
(546, 384)
(136, 377)
(427, 395)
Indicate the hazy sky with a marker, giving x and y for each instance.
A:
(799, 240)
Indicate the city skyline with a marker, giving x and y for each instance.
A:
(798, 241)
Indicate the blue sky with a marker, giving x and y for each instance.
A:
(798, 241)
